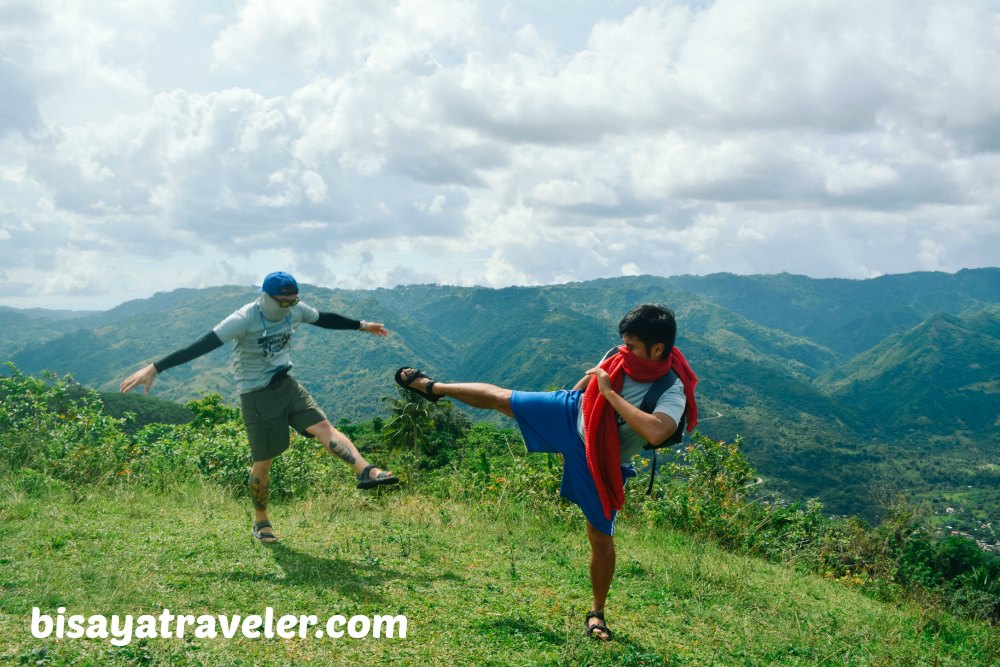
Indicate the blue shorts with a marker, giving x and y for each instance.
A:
(548, 422)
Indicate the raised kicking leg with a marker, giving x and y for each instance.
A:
(475, 394)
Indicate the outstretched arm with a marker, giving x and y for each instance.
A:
(147, 374)
(335, 321)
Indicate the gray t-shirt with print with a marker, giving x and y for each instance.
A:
(671, 403)
(261, 347)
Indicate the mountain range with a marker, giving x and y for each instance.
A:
(846, 390)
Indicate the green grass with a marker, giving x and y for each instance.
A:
(491, 584)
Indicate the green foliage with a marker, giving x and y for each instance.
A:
(714, 478)
(214, 447)
(210, 411)
(495, 471)
(445, 442)
(955, 567)
(432, 432)
(410, 422)
(52, 429)
(50, 426)
(138, 410)
(711, 495)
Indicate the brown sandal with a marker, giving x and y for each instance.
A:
(592, 630)
(266, 538)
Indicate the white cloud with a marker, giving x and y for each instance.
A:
(449, 141)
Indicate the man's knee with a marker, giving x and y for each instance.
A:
(323, 430)
(599, 540)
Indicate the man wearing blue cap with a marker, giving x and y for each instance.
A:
(271, 399)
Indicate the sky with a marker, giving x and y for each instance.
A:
(147, 145)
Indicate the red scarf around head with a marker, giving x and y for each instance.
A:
(600, 427)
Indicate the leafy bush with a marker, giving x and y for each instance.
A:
(139, 410)
(709, 491)
(967, 577)
(48, 425)
(214, 446)
(51, 428)
(491, 468)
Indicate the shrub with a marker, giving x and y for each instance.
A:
(708, 491)
(52, 426)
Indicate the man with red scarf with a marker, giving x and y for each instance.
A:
(597, 427)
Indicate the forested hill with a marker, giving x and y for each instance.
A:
(839, 387)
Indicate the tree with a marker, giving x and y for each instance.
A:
(410, 421)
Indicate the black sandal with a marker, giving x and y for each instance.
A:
(592, 630)
(263, 537)
(366, 481)
(417, 374)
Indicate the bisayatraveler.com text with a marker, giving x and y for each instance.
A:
(121, 629)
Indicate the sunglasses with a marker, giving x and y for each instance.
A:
(286, 303)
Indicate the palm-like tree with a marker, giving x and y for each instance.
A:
(410, 421)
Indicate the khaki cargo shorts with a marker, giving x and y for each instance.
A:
(268, 412)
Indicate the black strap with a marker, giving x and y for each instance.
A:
(649, 401)
(652, 475)
(656, 390)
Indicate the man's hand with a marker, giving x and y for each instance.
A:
(603, 380)
(144, 377)
(376, 329)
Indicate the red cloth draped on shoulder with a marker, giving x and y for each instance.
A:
(601, 428)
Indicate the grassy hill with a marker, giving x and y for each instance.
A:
(476, 549)
(489, 584)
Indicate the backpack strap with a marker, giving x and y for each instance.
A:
(648, 404)
(656, 390)
(652, 476)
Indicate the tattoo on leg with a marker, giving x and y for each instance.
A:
(342, 450)
(258, 492)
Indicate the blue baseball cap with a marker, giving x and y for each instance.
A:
(280, 283)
